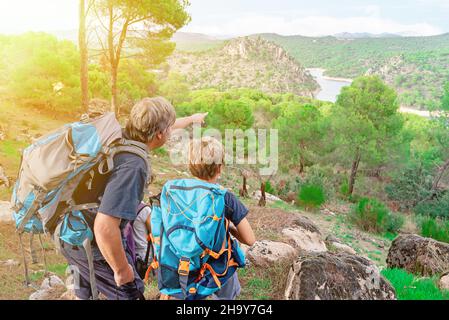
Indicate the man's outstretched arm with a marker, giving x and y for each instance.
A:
(182, 123)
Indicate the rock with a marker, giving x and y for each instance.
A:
(341, 247)
(5, 212)
(10, 263)
(327, 212)
(330, 276)
(335, 245)
(43, 294)
(419, 255)
(52, 282)
(68, 295)
(443, 283)
(266, 252)
(305, 235)
(270, 198)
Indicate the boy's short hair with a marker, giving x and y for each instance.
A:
(205, 157)
(149, 117)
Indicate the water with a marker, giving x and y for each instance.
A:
(330, 88)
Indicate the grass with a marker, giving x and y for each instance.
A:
(262, 283)
(437, 229)
(283, 206)
(410, 287)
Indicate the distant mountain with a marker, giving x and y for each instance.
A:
(245, 63)
(186, 41)
(348, 35)
(417, 67)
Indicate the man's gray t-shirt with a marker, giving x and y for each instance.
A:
(140, 232)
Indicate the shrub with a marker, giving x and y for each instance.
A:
(434, 228)
(344, 189)
(436, 208)
(410, 186)
(373, 216)
(269, 188)
(311, 196)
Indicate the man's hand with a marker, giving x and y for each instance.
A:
(182, 123)
(198, 117)
(124, 276)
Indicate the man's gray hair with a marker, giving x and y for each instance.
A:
(149, 117)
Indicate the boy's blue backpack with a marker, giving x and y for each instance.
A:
(52, 168)
(194, 252)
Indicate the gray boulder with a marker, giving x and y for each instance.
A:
(305, 235)
(265, 252)
(330, 276)
(418, 255)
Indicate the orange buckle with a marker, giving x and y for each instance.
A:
(192, 290)
(184, 266)
(154, 264)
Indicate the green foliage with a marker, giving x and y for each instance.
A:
(373, 216)
(366, 124)
(175, 88)
(344, 189)
(301, 129)
(445, 98)
(437, 207)
(410, 186)
(410, 287)
(311, 196)
(269, 188)
(434, 228)
(43, 72)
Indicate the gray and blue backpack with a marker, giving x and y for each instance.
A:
(194, 252)
(53, 167)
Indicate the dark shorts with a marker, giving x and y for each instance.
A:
(230, 290)
(104, 276)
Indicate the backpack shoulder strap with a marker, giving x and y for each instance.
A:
(124, 145)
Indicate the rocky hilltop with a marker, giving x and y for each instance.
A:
(245, 63)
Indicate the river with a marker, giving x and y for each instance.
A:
(330, 87)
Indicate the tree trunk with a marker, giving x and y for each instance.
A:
(301, 165)
(355, 167)
(439, 176)
(114, 103)
(84, 72)
(244, 190)
(263, 196)
(113, 62)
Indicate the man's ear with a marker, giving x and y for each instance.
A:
(159, 135)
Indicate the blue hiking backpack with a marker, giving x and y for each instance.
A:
(52, 168)
(194, 252)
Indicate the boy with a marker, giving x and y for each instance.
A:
(119, 192)
(206, 164)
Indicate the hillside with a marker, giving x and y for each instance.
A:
(416, 66)
(245, 63)
(186, 41)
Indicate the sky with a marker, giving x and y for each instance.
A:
(243, 17)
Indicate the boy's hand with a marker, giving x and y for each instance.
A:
(198, 117)
(124, 276)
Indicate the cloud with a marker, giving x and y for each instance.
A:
(313, 25)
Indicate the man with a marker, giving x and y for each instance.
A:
(120, 192)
